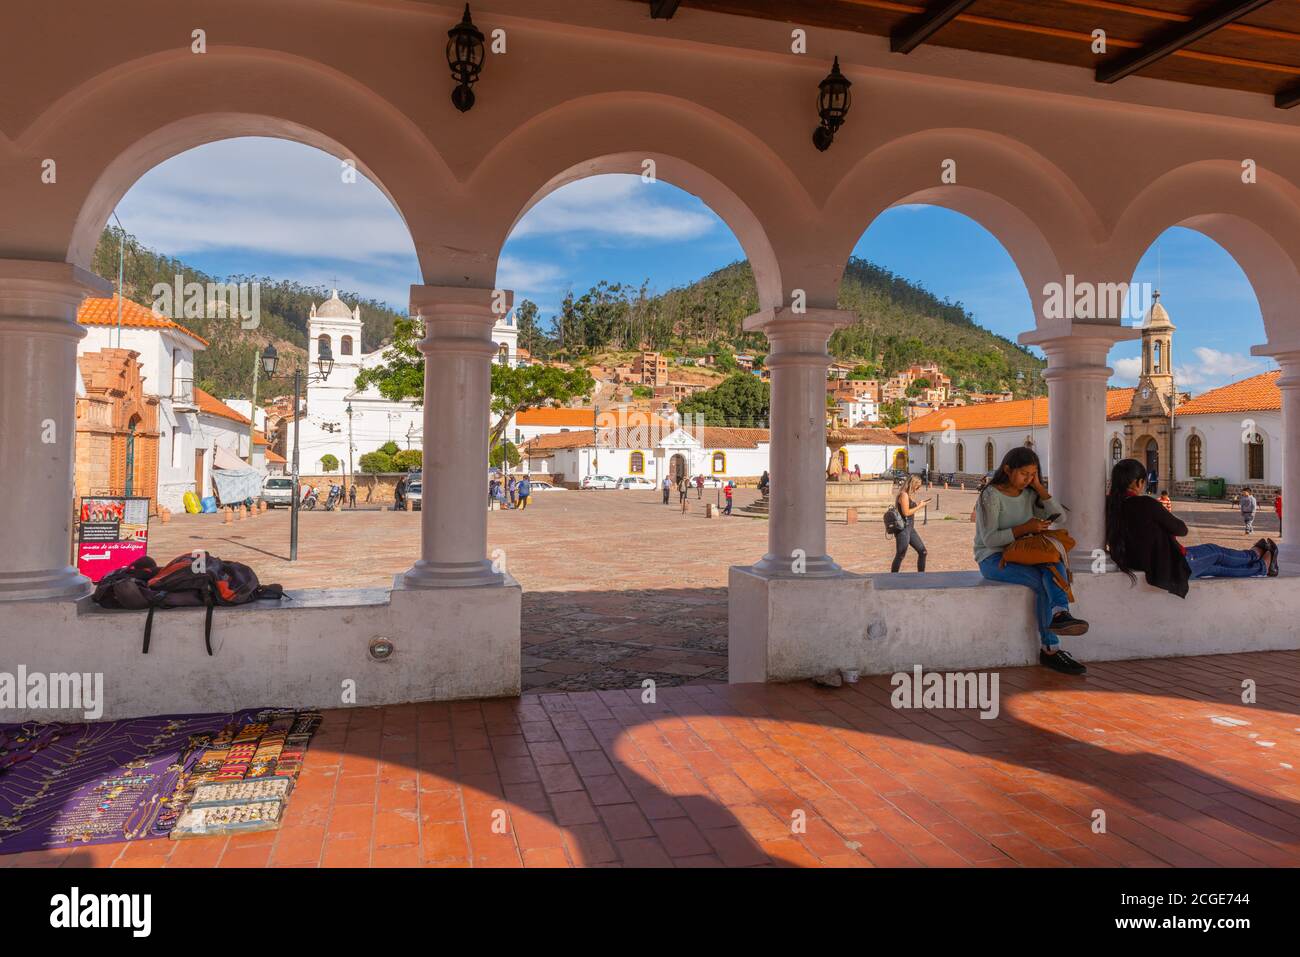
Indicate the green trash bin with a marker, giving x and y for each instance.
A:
(1211, 488)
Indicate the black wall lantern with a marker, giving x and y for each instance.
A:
(833, 100)
(465, 57)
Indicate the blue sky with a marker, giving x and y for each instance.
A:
(280, 209)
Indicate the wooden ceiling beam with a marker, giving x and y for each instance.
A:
(1171, 41)
(663, 9)
(1287, 97)
(916, 30)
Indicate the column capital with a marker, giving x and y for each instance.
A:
(783, 321)
(1068, 335)
(38, 297)
(458, 320)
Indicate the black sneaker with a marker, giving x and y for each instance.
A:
(1066, 624)
(1061, 661)
(1272, 557)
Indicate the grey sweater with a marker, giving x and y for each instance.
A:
(997, 514)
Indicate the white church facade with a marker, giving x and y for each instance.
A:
(336, 414)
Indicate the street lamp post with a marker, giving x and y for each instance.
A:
(325, 364)
(351, 473)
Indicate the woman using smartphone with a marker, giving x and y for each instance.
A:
(907, 509)
(1014, 504)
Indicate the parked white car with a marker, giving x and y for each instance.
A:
(546, 487)
(635, 481)
(415, 493)
(599, 481)
(277, 490)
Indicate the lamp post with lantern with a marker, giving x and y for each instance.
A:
(324, 365)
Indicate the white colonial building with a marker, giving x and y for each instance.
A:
(334, 408)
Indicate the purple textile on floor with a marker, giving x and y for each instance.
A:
(64, 784)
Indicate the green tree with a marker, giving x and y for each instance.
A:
(507, 452)
(390, 448)
(329, 463)
(373, 462)
(894, 412)
(918, 386)
(407, 459)
(401, 377)
(741, 400)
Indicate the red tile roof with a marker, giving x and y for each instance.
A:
(208, 405)
(103, 312)
(1118, 402)
(1257, 394)
(566, 418)
(1019, 413)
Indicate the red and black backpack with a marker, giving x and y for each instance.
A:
(196, 580)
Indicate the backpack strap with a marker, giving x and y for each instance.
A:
(148, 629)
(207, 625)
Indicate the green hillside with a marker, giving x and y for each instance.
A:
(225, 368)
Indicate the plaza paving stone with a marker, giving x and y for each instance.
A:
(618, 588)
(797, 776)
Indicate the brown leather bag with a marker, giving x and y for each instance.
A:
(1043, 548)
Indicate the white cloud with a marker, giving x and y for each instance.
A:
(619, 206)
(1126, 370)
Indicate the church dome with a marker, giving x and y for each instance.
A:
(333, 308)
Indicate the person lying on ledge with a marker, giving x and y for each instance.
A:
(1141, 535)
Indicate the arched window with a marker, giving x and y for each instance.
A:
(324, 340)
(719, 463)
(1195, 456)
(989, 455)
(961, 456)
(1159, 349)
(1117, 450)
(636, 463)
(1255, 458)
(345, 346)
(503, 354)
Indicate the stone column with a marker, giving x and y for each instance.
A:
(1078, 470)
(798, 361)
(1289, 385)
(38, 425)
(458, 351)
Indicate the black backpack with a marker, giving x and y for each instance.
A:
(197, 580)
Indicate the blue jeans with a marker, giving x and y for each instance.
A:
(1049, 597)
(1215, 561)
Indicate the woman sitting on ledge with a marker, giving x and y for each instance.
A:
(1015, 504)
(1141, 535)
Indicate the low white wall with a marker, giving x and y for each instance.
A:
(450, 643)
(787, 629)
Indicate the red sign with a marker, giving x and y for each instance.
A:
(113, 531)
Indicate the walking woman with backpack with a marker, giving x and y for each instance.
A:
(1142, 536)
(1013, 505)
(907, 535)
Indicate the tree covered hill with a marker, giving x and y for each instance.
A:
(225, 368)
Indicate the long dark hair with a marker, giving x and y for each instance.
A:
(1017, 458)
(1123, 475)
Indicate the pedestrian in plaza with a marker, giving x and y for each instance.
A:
(512, 490)
(683, 485)
(1013, 505)
(764, 483)
(1153, 479)
(908, 505)
(728, 491)
(1277, 507)
(668, 485)
(1142, 536)
(1248, 507)
(699, 486)
(352, 495)
(399, 494)
(1166, 501)
(925, 475)
(524, 489)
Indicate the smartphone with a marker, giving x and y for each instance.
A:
(1053, 517)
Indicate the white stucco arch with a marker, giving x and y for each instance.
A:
(1257, 224)
(1024, 200)
(116, 125)
(732, 171)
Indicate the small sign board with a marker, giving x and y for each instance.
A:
(113, 532)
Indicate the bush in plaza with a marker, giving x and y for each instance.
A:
(376, 462)
(505, 451)
(408, 459)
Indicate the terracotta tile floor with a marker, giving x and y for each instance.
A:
(718, 775)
